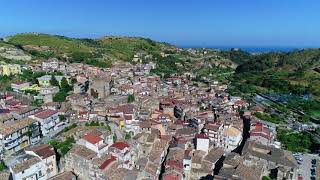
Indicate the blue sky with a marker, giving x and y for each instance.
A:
(290, 23)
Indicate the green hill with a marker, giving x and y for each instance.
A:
(291, 75)
(55, 43)
(124, 48)
(91, 51)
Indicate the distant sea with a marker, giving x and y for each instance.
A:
(255, 49)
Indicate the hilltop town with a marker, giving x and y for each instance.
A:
(164, 113)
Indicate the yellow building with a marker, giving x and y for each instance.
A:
(10, 69)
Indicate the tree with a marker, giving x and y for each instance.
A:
(115, 138)
(54, 81)
(131, 98)
(127, 136)
(60, 96)
(2, 166)
(65, 85)
(108, 127)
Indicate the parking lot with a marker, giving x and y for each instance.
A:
(305, 166)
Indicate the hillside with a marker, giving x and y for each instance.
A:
(290, 77)
(75, 50)
(124, 48)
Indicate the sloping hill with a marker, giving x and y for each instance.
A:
(58, 44)
(124, 48)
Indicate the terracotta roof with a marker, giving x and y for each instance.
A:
(174, 164)
(120, 145)
(107, 162)
(92, 138)
(202, 136)
(171, 177)
(44, 151)
(46, 113)
(128, 117)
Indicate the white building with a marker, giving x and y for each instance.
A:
(232, 138)
(38, 163)
(18, 134)
(203, 142)
(48, 119)
(50, 65)
(27, 167)
(48, 159)
(18, 87)
(95, 143)
(122, 151)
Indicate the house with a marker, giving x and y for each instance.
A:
(261, 134)
(19, 86)
(79, 160)
(47, 157)
(27, 167)
(122, 151)
(196, 165)
(232, 138)
(46, 90)
(87, 165)
(95, 143)
(48, 120)
(99, 88)
(9, 69)
(174, 163)
(211, 158)
(50, 65)
(16, 135)
(24, 112)
(271, 158)
(203, 142)
(215, 133)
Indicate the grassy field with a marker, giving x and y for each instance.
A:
(58, 43)
(125, 48)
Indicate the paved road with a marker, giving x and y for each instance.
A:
(115, 129)
(304, 168)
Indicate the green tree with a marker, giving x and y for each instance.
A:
(65, 85)
(54, 81)
(131, 98)
(108, 127)
(115, 138)
(60, 96)
(127, 136)
(2, 166)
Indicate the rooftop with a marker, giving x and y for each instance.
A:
(9, 128)
(46, 113)
(92, 138)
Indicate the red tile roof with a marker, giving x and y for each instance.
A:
(202, 136)
(44, 151)
(174, 164)
(91, 138)
(107, 162)
(46, 113)
(120, 145)
(171, 177)
(128, 117)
